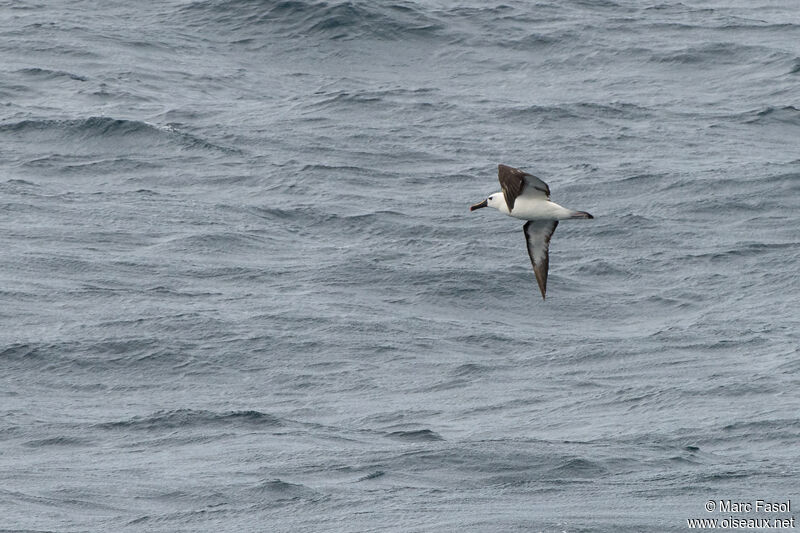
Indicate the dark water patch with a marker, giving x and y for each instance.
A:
(243, 20)
(11, 91)
(222, 273)
(166, 291)
(533, 41)
(682, 460)
(790, 180)
(107, 94)
(721, 53)
(722, 475)
(47, 74)
(104, 131)
(75, 357)
(637, 221)
(420, 435)
(747, 250)
(523, 462)
(347, 100)
(706, 22)
(745, 204)
(58, 441)
(578, 468)
(753, 386)
(372, 475)
(337, 169)
(790, 367)
(82, 165)
(485, 340)
(539, 113)
(600, 5)
(667, 300)
(63, 264)
(279, 490)
(140, 520)
(606, 268)
(397, 416)
(175, 439)
(47, 46)
(191, 418)
(386, 101)
(765, 429)
(19, 351)
(771, 115)
(472, 370)
(305, 214)
(463, 375)
(743, 24)
(576, 111)
(686, 457)
(351, 20)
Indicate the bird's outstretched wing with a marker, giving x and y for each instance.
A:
(515, 182)
(537, 236)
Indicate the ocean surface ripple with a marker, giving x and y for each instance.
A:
(241, 289)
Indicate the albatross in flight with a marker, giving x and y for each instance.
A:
(527, 197)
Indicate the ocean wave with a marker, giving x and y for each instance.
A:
(601, 268)
(372, 475)
(94, 355)
(47, 74)
(282, 490)
(577, 110)
(506, 26)
(717, 53)
(380, 223)
(106, 130)
(187, 418)
(79, 165)
(514, 463)
(419, 435)
(418, 98)
(227, 242)
(788, 114)
(578, 468)
(307, 18)
(472, 370)
(748, 249)
(57, 441)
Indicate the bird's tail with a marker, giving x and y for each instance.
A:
(580, 214)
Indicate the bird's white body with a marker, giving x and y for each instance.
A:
(530, 207)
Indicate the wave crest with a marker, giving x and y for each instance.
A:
(106, 130)
(183, 418)
(304, 19)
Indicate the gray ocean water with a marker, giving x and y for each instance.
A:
(241, 290)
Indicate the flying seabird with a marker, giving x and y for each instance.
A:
(527, 197)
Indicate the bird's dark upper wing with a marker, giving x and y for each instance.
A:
(515, 182)
(537, 236)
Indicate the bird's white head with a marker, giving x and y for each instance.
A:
(496, 200)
